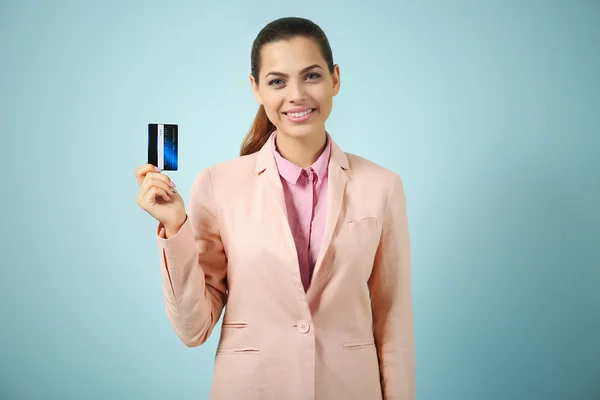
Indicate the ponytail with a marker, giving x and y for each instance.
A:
(259, 133)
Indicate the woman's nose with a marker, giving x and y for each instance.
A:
(297, 92)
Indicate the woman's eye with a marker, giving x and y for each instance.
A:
(275, 82)
(313, 76)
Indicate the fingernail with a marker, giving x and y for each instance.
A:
(157, 169)
(173, 191)
(172, 183)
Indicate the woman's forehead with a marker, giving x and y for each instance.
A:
(293, 55)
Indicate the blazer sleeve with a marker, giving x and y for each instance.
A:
(391, 300)
(193, 267)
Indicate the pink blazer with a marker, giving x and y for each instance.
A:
(350, 336)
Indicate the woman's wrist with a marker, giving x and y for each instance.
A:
(172, 229)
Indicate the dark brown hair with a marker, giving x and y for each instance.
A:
(280, 29)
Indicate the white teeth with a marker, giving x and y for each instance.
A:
(300, 114)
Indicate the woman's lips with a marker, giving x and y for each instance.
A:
(301, 115)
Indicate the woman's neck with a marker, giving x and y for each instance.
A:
(302, 152)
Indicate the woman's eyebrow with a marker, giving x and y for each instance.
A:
(275, 73)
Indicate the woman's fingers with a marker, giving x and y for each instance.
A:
(152, 181)
(141, 172)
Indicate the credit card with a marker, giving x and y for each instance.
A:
(162, 146)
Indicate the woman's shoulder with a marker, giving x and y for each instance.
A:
(383, 184)
(241, 166)
(230, 173)
(366, 169)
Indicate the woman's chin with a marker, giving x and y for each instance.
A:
(301, 131)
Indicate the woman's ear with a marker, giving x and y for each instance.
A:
(336, 79)
(254, 86)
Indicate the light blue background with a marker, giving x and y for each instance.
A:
(490, 111)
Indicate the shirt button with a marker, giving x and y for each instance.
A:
(303, 326)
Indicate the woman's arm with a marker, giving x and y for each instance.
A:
(194, 267)
(391, 300)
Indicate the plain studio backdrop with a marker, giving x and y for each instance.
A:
(490, 111)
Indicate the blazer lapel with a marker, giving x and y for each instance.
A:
(337, 177)
(266, 168)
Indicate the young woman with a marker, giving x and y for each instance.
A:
(307, 246)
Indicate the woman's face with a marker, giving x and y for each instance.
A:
(295, 86)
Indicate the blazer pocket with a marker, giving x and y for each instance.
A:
(236, 338)
(358, 345)
(239, 350)
(234, 324)
(363, 225)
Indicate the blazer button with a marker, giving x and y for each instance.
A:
(303, 326)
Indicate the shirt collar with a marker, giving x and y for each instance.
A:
(291, 172)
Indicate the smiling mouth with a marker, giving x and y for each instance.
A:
(300, 114)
